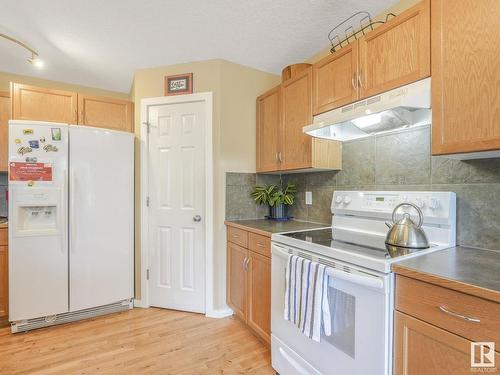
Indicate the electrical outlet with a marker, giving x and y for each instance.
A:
(309, 197)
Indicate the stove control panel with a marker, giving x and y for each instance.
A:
(375, 203)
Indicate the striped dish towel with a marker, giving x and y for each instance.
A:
(306, 297)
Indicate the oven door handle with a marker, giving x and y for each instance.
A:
(368, 281)
(279, 251)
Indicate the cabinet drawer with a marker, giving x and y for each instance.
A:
(4, 236)
(471, 317)
(237, 236)
(260, 244)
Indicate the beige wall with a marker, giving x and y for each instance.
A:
(6, 78)
(396, 9)
(235, 89)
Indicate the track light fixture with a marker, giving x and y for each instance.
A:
(34, 59)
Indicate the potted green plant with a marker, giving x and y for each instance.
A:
(278, 197)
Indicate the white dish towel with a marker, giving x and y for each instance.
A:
(306, 297)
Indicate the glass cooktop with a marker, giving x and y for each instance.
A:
(324, 237)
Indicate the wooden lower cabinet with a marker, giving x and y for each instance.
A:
(4, 276)
(259, 294)
(422, 348)
(237, 280)
(432, 341)
(249, 281)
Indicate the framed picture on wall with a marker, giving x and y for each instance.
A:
(179, 84)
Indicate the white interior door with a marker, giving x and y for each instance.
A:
(177, 205)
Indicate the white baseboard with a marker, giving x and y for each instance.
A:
(219, 313)
(140, 303)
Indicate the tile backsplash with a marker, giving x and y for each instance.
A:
(239, 203)
(3, 188)
(396, 161)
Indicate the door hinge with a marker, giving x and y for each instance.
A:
(147, 201)
(148, 127)
(147, 274)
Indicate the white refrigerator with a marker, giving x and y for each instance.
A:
(71, 219)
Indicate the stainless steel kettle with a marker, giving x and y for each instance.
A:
(405, 233)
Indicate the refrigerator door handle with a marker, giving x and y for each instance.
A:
(72, 224)
(62, 205)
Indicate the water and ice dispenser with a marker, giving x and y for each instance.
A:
(36, 212)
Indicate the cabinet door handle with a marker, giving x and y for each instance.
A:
(245, 263)
(353, 81)
(276, 157)
(280, 158)
(360, 79)
(236, 236)
(259, 244)
(456, 315)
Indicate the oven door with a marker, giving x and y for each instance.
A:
(360, 309)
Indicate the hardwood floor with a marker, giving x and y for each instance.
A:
(140, 341)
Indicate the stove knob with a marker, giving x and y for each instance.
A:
(347, 200)
(434, 204)
(419, 203)
(338, 199)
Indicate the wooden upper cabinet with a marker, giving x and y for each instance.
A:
(398, 52)
(105, 113)
(4, 130)
(297, 113)
(42, 104)
(269, 130)
(236, 279)
(465, 76)
(259, 294)
(335, 79)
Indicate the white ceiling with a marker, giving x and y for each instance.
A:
(100, 43)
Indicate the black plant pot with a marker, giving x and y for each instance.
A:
(279, 211)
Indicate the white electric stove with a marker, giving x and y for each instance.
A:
(361, 285)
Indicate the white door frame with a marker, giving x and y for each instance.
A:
(207, 98)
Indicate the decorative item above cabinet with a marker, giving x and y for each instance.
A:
(392, 55)
(282, 112)
(291, 71)
(43, 104)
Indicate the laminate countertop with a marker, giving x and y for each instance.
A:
(468, 270)
(268, 227)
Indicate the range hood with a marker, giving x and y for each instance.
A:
(397, 109)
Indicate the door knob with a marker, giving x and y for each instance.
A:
(197, 218)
